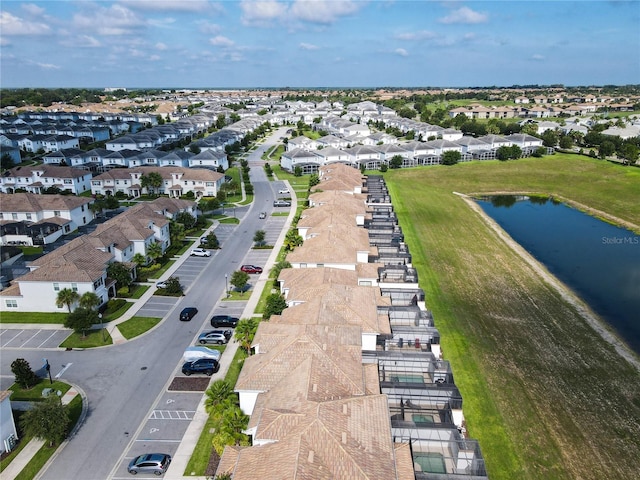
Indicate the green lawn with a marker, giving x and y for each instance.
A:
(92, 339)
(544, 395)
(137, 326)
(33, 317)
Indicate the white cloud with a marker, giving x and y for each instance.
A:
(208, 28)
(170, 5)
(417, 36)
(161, 46)
(114, 20)
(32, 9)
(402, 52)
(308, 46)
(465, 15)
(80, 41)
(323, 12)
(44, 66)
(255, 13)
(12, 25)
(221, 41)
(537, 56)
(154, 58)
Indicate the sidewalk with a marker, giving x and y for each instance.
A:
(30, 449)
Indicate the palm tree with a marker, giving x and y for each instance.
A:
(67, 297)
(154, 250)
(139, 259)
(89, 300)
(245, 331)
(219, 394)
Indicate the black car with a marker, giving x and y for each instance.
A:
(207, 366)
(188, 313)
(224, 321)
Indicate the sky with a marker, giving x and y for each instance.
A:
(311, 43)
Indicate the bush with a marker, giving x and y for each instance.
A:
(123, 292)
(25, 377)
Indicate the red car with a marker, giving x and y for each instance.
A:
(251, 269)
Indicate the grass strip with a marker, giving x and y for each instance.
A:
(137, 326)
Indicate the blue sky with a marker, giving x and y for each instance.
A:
(309, 43)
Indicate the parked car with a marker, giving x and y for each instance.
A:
(284, 191)
(156, 463)
(203, 240)
(224, 321)
(207, 366)
(263, 215)
(161, 285)
(200, 252)
(214, 336)
(191, 354)
(281, 203)
(188, 313)
(251, 269)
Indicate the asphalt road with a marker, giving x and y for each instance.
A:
(124, 384)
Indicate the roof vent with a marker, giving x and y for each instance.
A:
(344, 409)
(310, 458)
(344, 437)
(315, 387)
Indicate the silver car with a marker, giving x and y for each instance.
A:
(156, 463)
(218, 337)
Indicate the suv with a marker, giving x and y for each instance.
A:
(224, 321)
(149, 463)
(188, 313)
(200, 252)
(208, 366)
(281, 203)
(214, 336)
(250, 269)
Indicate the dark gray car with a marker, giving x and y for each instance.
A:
(156, 463)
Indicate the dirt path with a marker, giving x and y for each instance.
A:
(565, 292)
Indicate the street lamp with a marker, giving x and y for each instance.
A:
(226, 285)
(102, 328)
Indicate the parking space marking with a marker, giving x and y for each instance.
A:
(48, 338)
(172, 415)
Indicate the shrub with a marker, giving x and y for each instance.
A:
(25, 377)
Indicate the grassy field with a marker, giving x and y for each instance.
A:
(544, 395)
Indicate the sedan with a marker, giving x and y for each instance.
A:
(161, 285)
(156, 463)
(200, 252)
(263, 215)
(207, 366)
(214, 336)
(284, 191)
(250, 269)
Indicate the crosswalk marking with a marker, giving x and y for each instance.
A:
(172, 415)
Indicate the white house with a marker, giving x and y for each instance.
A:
(8, 431)
(35, 179)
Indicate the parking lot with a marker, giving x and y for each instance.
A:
(32, 338)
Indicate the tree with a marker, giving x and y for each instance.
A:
(606, 149)
(139, 259)
(396, 161)
(186, 219)
(292, 240)
(297, 171)
(47, 420)
(111, 202)
(6, 162)
(384, 167)
(278, 267)
(515, 152)
(67, 297)
(219, 395)
(239, 280)
(550, 138)
(629, 152)
(81, 319)
(154, 251)
(120, 273)
(25, 377)
(155, 181)
(503, 153)
(89, 300)
(314, 179)
(451, 157)
(530, 128)
(245, 331)
(212, 241)
(173, 286)
(274, 305)
(566, 141)
(259, 237)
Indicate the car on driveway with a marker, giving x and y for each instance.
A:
(250, 269)
(281, 203)
(263, 215)
(200, 252)
(188, 313)
(206, 366)
(214, 336)
(224, 321)
(284, 191)
(156, 463)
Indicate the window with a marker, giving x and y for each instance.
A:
(56, 287)
(12, 303)
(28, 216)
(74, 287)
(14, 216)
(56, 213)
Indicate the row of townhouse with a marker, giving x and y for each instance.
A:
(348, 382)
(413, 153)
(176, 182)
(81, 264)
(537, 111)
(101, 159)
(38, 178)
(30, 219)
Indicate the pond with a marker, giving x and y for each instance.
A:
(598, 261)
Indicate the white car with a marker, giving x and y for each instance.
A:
(284, 191)
(200, 252)
(161, 285)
